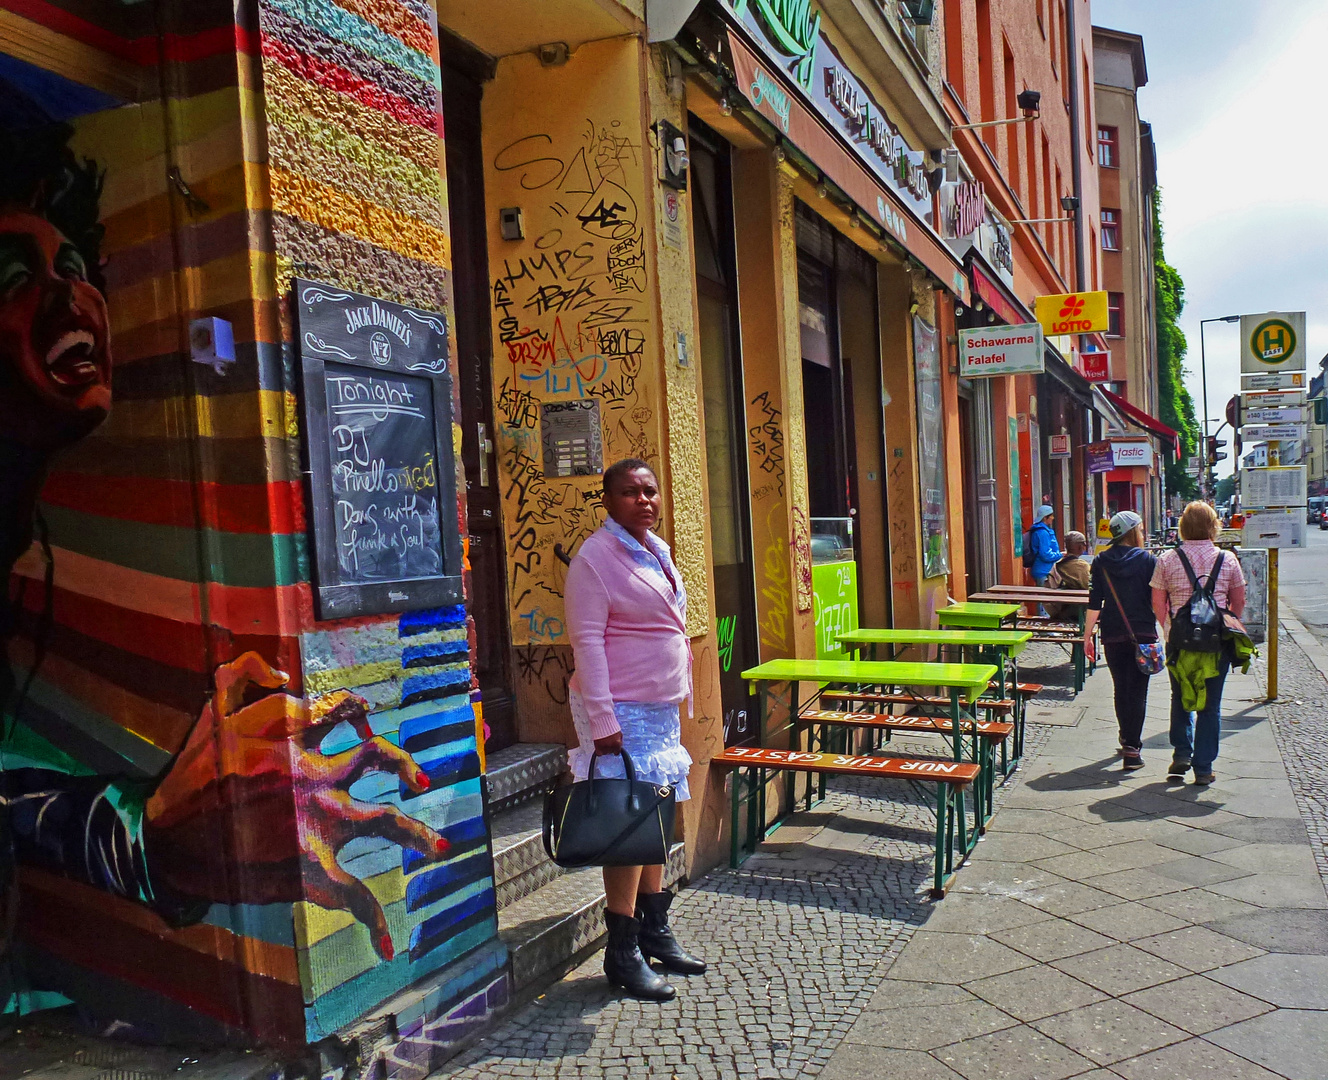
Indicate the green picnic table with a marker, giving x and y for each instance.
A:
(1001, 646)
(964, 685)
(973, 616)
(1075, 598)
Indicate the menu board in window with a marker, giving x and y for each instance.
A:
(377, 427)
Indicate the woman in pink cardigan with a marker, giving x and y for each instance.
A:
(626, 614)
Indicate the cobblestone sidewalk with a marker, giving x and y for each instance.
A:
(799, 941)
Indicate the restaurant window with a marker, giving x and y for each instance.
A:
(1115, 314)
(1110, 229)
(1108, 150)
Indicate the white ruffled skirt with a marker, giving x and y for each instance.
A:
(652, 734)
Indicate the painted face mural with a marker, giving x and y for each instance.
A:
(55, 354)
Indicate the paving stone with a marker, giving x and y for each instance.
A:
(974, 913)
(1284, 979)
(1199, 842)
(1193, 1060)
(1290, 1042)
(904, 994)
(926, 1027)
(1119, 969)
(1199, 905)
(1110, 1031)
(1069, 898)
(1135, 884)
(1198, 948)
(960, 957)
(1269, 830)
(1128, 921)
(1275, 890)
(1032, 993)
(853, 1062)
(1271, 858)
(1197, 1004)
(1018, 847)
(1019, 1053)
(1288, 930)
(1196, 870)
(1052, 940)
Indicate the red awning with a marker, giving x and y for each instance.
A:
(1148, 423)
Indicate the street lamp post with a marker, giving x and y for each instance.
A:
(1203, 367)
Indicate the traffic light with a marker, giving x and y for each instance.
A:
(1214, 454)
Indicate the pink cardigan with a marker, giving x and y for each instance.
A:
(628, 637)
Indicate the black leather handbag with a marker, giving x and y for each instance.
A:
(602, 822)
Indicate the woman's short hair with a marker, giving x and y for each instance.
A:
(1199, 522)
(619, 469)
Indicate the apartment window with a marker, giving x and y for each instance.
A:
(953, 14)
(1115, 314)
(1042, 16)
(1108, 147)
(986, 81)
(1110, 230)
(1012, 130)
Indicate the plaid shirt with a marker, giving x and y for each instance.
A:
(1170, 574)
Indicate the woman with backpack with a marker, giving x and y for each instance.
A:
(1193, 586)
(1121, 596)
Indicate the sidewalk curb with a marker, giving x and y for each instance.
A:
(1307, 642)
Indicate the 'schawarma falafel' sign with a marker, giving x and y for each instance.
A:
(1001, 350)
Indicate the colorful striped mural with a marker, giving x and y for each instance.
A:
(289, 812)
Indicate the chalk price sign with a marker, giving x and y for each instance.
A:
(377, 411)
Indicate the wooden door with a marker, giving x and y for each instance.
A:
(474, 345)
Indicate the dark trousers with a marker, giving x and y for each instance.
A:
(1131, 686)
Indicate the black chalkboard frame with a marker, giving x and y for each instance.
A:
(334, 597)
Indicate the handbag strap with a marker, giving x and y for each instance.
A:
(1119, 606)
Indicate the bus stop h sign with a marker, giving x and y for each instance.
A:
(1274, 341)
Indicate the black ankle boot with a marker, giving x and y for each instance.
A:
(657, 940)
(624, 965)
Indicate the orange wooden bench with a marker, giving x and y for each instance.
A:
(950, 778)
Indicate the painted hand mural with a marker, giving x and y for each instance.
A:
(255, 772)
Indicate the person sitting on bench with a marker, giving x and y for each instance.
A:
(1070, 572)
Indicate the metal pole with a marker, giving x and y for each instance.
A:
(1207, 465)
(1274, 458)
(1272, 623)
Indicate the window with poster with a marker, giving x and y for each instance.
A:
(931, 449)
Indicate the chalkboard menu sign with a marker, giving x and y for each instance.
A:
(378, 433)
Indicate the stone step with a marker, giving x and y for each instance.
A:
(520, 863)
(551, 925)
(521, 773)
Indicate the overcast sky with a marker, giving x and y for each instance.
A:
(1231, 84)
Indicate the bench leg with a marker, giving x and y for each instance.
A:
(944, 833)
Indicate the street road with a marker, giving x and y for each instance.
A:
(1304, 574)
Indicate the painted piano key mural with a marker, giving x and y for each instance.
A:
(436, 902)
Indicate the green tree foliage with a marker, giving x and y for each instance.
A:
(1226, 487)
(1177, 407)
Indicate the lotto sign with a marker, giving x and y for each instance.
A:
(1272, 342)
(1001, 350)
(1072, 313)
(1058, 446)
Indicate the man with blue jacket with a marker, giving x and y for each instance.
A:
(1043, 544)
